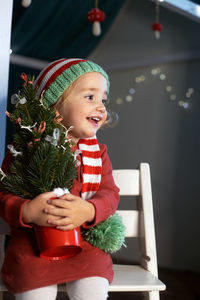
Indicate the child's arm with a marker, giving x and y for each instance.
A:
(76, 211)
(33, 212)
(10, 205)
(18, 212)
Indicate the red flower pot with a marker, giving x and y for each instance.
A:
(55, 244)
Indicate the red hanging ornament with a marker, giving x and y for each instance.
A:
(96, 16)
(157, 27)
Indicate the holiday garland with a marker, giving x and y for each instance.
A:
(43, 160)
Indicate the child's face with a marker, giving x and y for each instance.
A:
(84, 107)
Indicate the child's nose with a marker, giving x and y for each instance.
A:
(101, 107)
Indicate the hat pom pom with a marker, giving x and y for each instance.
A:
(109, 235)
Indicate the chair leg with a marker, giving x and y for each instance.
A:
(152, 295)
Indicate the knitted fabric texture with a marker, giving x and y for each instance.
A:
(92, 166)
(60, 74)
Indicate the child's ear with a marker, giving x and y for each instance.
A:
(58, 104)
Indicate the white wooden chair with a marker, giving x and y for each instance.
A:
(139, 224)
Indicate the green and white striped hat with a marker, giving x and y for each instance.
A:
(59, 75)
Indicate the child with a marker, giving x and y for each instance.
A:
(78, 90)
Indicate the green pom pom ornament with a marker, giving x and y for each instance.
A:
(108, 235)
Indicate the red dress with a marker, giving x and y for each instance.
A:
(24, 270)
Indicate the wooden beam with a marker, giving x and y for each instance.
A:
(183, 7)
(26, 61)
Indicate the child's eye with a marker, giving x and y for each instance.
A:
(90, 97)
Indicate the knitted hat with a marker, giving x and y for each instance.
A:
(57, 76)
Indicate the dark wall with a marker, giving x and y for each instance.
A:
(152, 127)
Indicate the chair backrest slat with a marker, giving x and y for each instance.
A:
(129, 185)
(131, 221)
(127, 181)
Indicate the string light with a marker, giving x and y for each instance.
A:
(162, 76)
(132, 91)
(168, 88)
(157, 73)
(129, 98)
(119, 101)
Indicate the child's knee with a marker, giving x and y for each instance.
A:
(88, 289)
(47, 292)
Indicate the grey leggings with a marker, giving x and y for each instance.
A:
(91, 288)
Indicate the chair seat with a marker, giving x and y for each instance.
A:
(134, 278)
(129, 278)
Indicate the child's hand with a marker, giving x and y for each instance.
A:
(73, 210)
(34, 211)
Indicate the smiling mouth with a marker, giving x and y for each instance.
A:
(95, 120)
